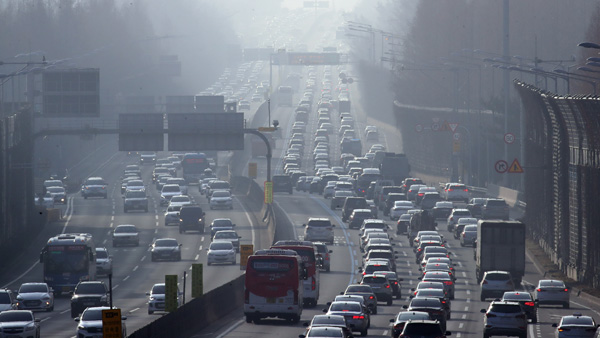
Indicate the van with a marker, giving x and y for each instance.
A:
(319, 229)
(191, 217)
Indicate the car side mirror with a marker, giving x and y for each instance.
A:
(147, 293)
(405, 307)
(324, 310)
(233, 225)
(123, 317)
(482, 311)
(392, 320)
(76, 319)
(305, 324)
(330, 251)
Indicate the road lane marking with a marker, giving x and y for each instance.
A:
(233, 327)
(197, 257)
(252, 230)
(135, 268)
(112, 218)
(45, 319)
(134, 310)
(126, 278)
(143, 258)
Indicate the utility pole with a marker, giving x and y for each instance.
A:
(506, 55)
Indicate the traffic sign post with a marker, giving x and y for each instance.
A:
(455, 146)
(456, 136)
(246, 250)
(419, 128)
(435, 126)
(268, 192)
(509, 138)
(111, 323)
(501, 166)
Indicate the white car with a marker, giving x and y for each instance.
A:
(167, 192)
(552, 292)
(228, 235)
(103, 262)
(221, 252)
(156, 298)
(90, 323)
(58, 194)
(172, 215)
(221, 199)
(19, 324)
(179, 201)
(504, 318)
(329, 189)
(35, 296)
(400, 208)
(456, 192)
(495, 283)
(576, 326)
(181, 182)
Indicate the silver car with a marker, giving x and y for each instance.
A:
(230, 236)
(356, 315)
(366, 292)
(469, 235)
(103, 262)
(35, 296)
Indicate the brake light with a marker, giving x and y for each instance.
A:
(396, 283)
(466, 190)
(485, 282)
(566, 290)
(421, 194)
(358, 317)
(560, 329)
(313, 283)
(448, 282)
(539, 290)
(530, 303)
(387, 286)
(450, 190)
(490, 315)
(443, 302)
(371, 297)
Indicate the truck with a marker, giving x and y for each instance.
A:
(500, 246)
(351, 146)
(393, 167)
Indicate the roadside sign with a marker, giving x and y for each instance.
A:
(453, 126)
(171, 293)
(509, 138)
(419, 128)
(501, 166)
(445, 126)
(252, 170)
(111, 323)
(515, 167)
(435, 126)
(197, 280)
(246, 251)
(455, 146)
(456, 136)
(268, 192)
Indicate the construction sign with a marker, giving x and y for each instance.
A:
(445, 127)
(515, 167)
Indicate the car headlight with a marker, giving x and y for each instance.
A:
(30, 327)
(103, 298)
(19, 297)
(81, 327)
(152, 298)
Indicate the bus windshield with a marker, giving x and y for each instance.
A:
(66, 259)
(308, 257)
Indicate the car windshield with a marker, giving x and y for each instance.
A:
(171, 188)
(158, 289)
(55, 189)
(470, 228)
(516, 296)
(576, 320)
(345, 306)
(92, 314)
(496, 203)
(125, 229)
(101, 254)
(359, 288)
(95, 182)
(221, 194)
(220, 246)
(505, 308)
(497, 276)
(552, 283)
(222, 223)
(409, 315)
(90, 288)
(319, 224)
(331, 320)
(374, 280)
(135, 194)
(430, 293)
(325, 332)
(425, 302)
(33, 288)
(226, 235)
(135, 184)
(4, 298)
(165, 242)
(422, 329)
(15, 316)
(179, 199)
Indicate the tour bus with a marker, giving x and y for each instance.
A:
(273, 286)
(285, 96)
(193, 166)
(68, 259)
(307, 250)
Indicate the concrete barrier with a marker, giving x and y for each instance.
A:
(511, 196)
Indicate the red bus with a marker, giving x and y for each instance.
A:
(273, 285)
(307, 250)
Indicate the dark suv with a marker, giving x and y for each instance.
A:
(282, 183)
(424, 329)
(88, 294)
(352, 203)
(191, 217)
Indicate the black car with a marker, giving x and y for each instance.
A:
(88, 294)
(529, 305)
(425, 329)
(475, 205)
(283, 183)
(390, 199)
(433, 306)
(352, 203)
(191, 217)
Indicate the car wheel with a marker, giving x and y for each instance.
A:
(389, 301)
(566, 305)
(375, 311)
(482, 298)
(178, 258)
(364, 332)
(534, 320)
(153, 259)
(462, 244)
(50, 309)
(73, 313)
(150, 312)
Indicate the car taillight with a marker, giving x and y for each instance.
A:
(443, 302)
(396, 283)
(313, 283)
(463, 234)
(448, 282)
(358, 317)
(421, 194)
(450, 190)
(490, 315)
(539, 290)
(371, 297)
(561, 329)
(387, 286)
(530, 303)
(399, 327)
(566, 290)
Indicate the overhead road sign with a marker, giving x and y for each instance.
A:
(179, 104)
(210, 104)
(307, 58)
(515, 167)
(71, 93)
(199, 132)
(501, 166)
(141, 132)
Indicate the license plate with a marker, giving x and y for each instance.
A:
(270, 300)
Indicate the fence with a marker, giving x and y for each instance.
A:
(563, 152)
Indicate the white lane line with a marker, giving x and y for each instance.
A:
(530, 329)
(385, 332)
(65, 311)
(200, 248)
(202, 239)
(45, 319)
(464, 274)
(115, 286)
(155, 231)
(468, 292)
(143, 258)
(135, 268)
(197, 256)
(466, 309)
(461, 325)
(233, 327)
(460, 264)
(156, 216)
(112, 218)
(134, 310)
(104, 241)
(464, 316)
(126, 278)
(111, 224)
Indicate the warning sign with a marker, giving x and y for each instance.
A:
(445, 127)
(111, 323)
(515, 167)
(246, 251)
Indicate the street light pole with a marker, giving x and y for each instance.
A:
(506, 79)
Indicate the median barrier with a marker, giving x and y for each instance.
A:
(197, 314)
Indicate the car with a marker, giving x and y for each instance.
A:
(282, 183)
(503, 318)
(191, 217)
(380, 286)
(424, 329)
(172, 215)
(352, 203)
(221, 252)
(431, 305)
(468, 235)
(475, 205)
(243, 105)
(552, 292)
(438, 266)
(421, 233)
(58, 194)
(168, 191)
(460, 225)
(94, 187)
(165, 248)
(357, 316)
(90, 323)
(403, 224)
(221, 199)
(376, 265)
(19, 324)
(135, 200)
(156, 298)
(429, 200)
(436, 293)
(324, 253)
(443, 277)
(228, 235)
(329, 321)
(394, 282)
(403, 317)
(180, 201)
(135, 185)
(455, 215)
(103, 262)
(88, 294)
(125, 234)
(495, 283)
(219, 224)
(8, 300)
(442, 209)
(339, 197)
(529, 305)
(35, 296)
(376, 254)
(148, 157)
(372, 136)
(495, 208)
(325, 331)
(412, 191)
(358, 216)
(429, 246)
(576, 326)
(456, 192)
(365, 291)
(400, 208)
(319, 229)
